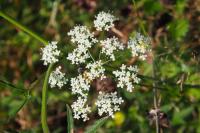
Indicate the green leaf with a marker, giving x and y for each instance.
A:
(180, 6)
(178, 28)
(19, 107)
(97, 124)
(70, 122)
(179, 117)
(151, 7)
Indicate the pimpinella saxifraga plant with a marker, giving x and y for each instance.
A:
(108, 100)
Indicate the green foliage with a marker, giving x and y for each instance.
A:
(180, 115)
(70, 122)
(152, 7)
(178, 28)
(96, 125)
(180, 6)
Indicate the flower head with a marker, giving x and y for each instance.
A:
(139, 46)
(80, 109)
(50, 53)
(84, 39)
(110, 45)
(104, 21)
(108, 103)
(81, 35)
(95, 70)
(78, 56)
(57, 78)
(80, 85)
(127, 76)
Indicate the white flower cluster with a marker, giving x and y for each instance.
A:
(78, 55)
(95, 70)
(110, 45)
(79, 85)
(81, 109)
(50, 53)
(104, 21)
(108, 103)
(139, 46)
(82, 36)
(127, 76)
(57, 78)
(84, 40)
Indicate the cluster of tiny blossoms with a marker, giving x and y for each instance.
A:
(110, 45)
(139, 46)
(81, 36)
(57, 78)
(80, 109)
(50, 53)
(127, 76)
(104, 21)
(107, 102)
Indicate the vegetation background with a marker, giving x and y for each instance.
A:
(174, 26)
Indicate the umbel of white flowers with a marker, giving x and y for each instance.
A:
(107, 102)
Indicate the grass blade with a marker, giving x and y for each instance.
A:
(70, 122)
(23, 28)
(20, 106)
(96, 125)
(8, 85)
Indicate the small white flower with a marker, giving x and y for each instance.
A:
(108, 103)
(139, 46)
(84, 39)
(79, 55)
(81, 35)
(50, 53)
(95, 70)
(80, 109)
(104, 21)
(80, 85)
(110, 45)
(57, 78)
(127, 76)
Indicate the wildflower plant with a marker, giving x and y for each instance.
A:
(108, 101)
(100, 56)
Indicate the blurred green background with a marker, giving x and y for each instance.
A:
(174, 26)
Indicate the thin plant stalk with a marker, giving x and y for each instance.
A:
(23, 28)
(44, 101)
(155, 97)
(45, 85)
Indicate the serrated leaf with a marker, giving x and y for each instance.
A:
(70, 122)
(96, 125)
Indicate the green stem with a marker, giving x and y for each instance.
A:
(23, 28)
(45, 85)
(155, 95)
(44, 101)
